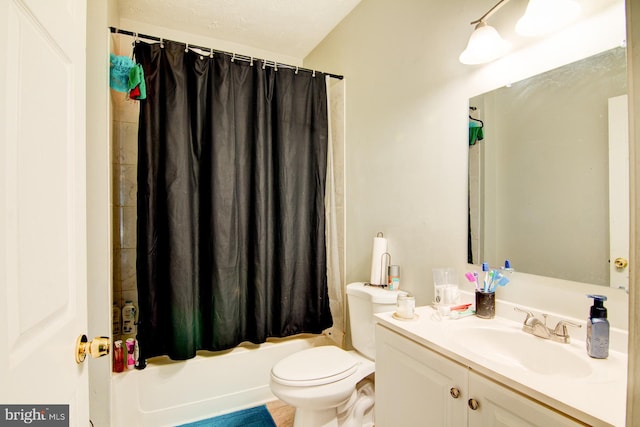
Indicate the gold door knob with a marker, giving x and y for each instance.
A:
(621, 263)
(97, 347)
(454, 392)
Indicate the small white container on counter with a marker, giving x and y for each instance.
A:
(406, 306)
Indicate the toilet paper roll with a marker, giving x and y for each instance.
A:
(379, 261)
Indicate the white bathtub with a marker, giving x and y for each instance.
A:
(168, 393)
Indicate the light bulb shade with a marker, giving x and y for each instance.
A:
(485, 45)
(546, 16)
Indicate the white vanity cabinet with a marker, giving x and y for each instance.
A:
(416, 386)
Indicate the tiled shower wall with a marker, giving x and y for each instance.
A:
(125, 157)
(124, 146)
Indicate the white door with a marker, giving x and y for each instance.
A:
(618, 192)
(42, 206)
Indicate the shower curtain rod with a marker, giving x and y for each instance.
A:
(273, 64)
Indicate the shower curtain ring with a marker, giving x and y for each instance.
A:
(264, 64)
(296, 69)
(313, 74)
(233, 57)
(186, 49)
(251, 61)
(275, 65)
(211, 53)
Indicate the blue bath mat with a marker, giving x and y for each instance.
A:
(253, 417)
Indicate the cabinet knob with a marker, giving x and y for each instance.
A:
(473, 404)
(454, 392)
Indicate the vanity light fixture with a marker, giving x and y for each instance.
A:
(545, 16)
(541, 17)
(485, 44)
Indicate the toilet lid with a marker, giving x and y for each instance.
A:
(315, 366)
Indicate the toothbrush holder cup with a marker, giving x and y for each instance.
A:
(485, 305)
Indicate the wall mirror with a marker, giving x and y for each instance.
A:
(542, 191)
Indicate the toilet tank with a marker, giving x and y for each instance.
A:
(364, 302)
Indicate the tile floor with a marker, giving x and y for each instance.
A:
(281, 413)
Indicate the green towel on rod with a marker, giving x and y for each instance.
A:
(475, 133)
(137, 86)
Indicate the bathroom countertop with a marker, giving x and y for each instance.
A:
(597, 399)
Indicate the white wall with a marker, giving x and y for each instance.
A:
(406, 109)
(208, 42)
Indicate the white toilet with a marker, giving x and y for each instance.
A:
(328, 386)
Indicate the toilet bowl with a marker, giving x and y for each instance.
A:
(331, 387)
(319, 382)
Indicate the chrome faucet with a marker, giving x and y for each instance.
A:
(534, 326)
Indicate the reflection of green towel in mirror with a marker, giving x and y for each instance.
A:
(475, 133)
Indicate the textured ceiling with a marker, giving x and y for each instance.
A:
(288, 27)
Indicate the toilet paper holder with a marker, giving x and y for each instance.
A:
(385, 261)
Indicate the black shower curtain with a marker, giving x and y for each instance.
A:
(231, 182)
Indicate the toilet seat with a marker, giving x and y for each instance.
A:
(315, 366)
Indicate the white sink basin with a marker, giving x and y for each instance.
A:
(519, 349)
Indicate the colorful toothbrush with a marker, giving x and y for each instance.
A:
(501, 282)
(472, 278)
(485, 268)
(495, 276)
